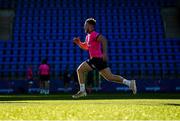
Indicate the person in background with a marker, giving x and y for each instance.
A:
(44, 75)
(29, 77)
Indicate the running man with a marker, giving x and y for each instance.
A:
(96, 44)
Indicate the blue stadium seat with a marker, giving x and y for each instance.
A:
(134, 30)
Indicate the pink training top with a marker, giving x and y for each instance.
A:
(44, 69)
(94, 46)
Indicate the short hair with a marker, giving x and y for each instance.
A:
(91, 21)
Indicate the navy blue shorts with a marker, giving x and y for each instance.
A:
(44, 77)
(97, 63)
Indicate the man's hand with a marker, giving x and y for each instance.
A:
(76, 40)
(82, 45)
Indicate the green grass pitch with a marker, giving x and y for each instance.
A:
(93, 107)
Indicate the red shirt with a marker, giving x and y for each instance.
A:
(29, 73)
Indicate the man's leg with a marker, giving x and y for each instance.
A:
(41, 87)
(44, 89)
(81, 70)
(47, 87)
(106, 73)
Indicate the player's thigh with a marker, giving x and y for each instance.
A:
(84, 67)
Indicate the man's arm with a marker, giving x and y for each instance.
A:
(82, 45)
(103, 40)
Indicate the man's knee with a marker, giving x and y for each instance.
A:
(79, 70)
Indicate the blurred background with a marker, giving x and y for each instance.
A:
(143, 43)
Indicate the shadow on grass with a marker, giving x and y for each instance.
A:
(172, 104)
(95, 96)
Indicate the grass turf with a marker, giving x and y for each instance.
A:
(94, 107)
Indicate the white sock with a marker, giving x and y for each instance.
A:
(126, 82)
(82, 87)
